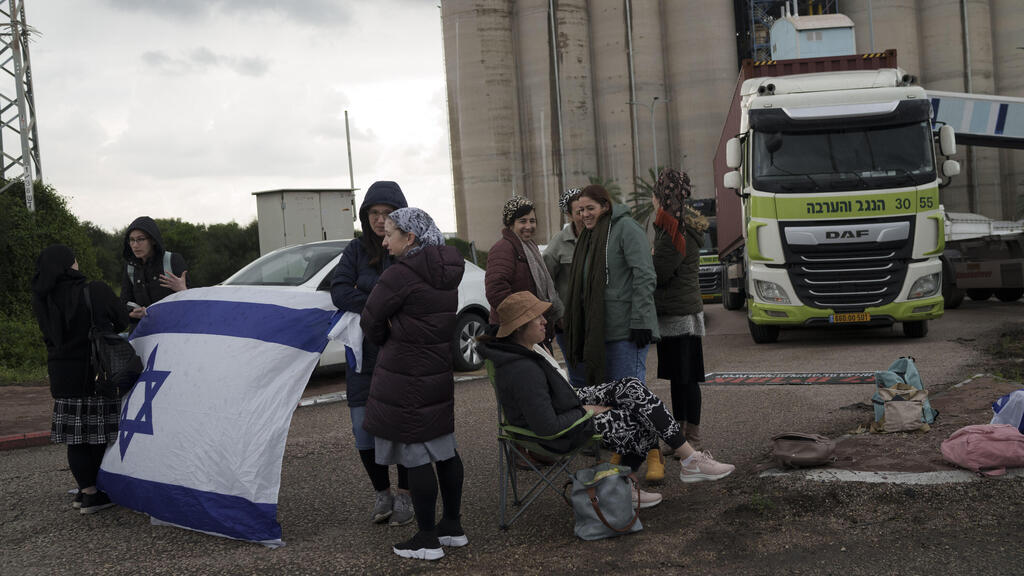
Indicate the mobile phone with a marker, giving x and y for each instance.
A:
(133, 305)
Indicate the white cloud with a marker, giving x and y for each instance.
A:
(183, 109)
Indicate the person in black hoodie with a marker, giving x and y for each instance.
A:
(147, 279)
(82, 419)
(361, 265)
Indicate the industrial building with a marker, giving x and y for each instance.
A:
(545, 95)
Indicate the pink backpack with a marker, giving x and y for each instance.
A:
(986, 448)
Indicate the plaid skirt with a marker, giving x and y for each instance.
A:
(89, 420)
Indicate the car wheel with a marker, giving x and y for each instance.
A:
(467, 329)
(979, 294)
(915, 329)
(763, 334)
(1009, 294)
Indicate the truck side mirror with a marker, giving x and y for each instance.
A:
(732, 180)
(950, 168)
(733, 153)
(947, 141)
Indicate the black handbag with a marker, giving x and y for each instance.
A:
(114, 360)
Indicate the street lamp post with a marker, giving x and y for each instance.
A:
(654, 139)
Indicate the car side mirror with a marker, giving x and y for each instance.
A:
(733, 153)
(732, 180)
(950, 168)
(947, 141)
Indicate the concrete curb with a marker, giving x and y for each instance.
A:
(28, 440)
(922, 478)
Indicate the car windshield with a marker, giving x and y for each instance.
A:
(289, 267)
(855, 158)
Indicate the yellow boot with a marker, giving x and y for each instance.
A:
(616, 458)
(655, 466)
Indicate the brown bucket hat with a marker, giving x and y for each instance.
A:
(518, 309)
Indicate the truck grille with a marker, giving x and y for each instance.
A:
(710, 279)
(848, 277)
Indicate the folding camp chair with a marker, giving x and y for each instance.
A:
(514, 442)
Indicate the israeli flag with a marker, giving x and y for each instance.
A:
(202, 433)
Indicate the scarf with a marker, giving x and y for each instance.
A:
(542, 280)
(419, 223)
(588, 277)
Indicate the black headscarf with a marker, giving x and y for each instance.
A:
(56, 290)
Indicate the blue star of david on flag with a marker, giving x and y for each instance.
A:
(149, 382)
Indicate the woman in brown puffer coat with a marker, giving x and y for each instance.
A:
(410, 314)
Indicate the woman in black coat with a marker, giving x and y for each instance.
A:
(82, 419)
(410, 411)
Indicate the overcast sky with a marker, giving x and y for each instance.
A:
(183, 108)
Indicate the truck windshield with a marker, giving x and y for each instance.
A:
(843, 158)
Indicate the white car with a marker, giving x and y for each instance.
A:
(309, 267)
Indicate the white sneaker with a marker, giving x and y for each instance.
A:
(702, 467)
(645, 499)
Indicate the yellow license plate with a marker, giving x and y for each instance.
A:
(849, 317)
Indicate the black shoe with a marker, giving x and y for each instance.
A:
(92, 503)
(450, 533)
(423, 545)
(77, 502)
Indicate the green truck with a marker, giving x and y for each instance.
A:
(827, 188)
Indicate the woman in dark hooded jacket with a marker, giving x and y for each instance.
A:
(411, 408)
(82, 419)
(149, 277)
(354, 277)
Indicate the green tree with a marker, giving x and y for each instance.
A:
(642, 208)
(226, 248)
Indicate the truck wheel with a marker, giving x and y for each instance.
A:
(1009, 294)
(979, 294)
(468, 328)
(765, 334)
(952, 298)
(915, 329)
(730, 300)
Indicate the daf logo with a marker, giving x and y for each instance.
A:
(846, 234)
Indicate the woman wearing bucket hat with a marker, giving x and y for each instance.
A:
(535, 394)
(514, 263)
(410, 410)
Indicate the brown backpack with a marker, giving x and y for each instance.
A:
(800, 450)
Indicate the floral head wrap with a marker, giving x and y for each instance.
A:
(672, 190)
(515, 207)
(567, 198)
(419, 223)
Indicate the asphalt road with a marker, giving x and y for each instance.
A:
(744, 524)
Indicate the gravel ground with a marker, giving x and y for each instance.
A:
(745, 524)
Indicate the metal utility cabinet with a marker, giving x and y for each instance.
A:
(290, 217)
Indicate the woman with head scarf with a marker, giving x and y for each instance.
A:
(558, 260)
(82, 419)
(535, 394)
(410, 411)
(679, 238)
(515, 264)
(361, 265)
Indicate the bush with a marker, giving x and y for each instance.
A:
(466, 249)
(21, 350)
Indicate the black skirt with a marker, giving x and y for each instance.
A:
(681, 359)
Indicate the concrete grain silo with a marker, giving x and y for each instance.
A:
(579, 146)
(481, 79)
(538, 115)
(701, 64)
(650, 112)
(1008, 64)
(610, 74)
(890, 24)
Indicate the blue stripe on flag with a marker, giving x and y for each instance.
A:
(232, 516)
(305, 329)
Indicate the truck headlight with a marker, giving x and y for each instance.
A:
(771, 292)
(926, 286)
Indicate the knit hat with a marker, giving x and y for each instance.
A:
(419, 223)
(567, 198)
(518, 309)
(515, 207)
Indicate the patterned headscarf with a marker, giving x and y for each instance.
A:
(567, 198)
(419, 223)
(672, 190)
(515, 207)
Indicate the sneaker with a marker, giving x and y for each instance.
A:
(644, 499)
(382, 506)
(402, 512)
(450, 533)
(702, 466)
(77, 502)
(92, 503)
(424, 546)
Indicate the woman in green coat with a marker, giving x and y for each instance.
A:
(679, 235)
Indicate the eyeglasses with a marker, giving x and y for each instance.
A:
(379, 213)
(137, 239)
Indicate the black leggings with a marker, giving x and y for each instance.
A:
(85, 460)
(378, 473)
(423, 486)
